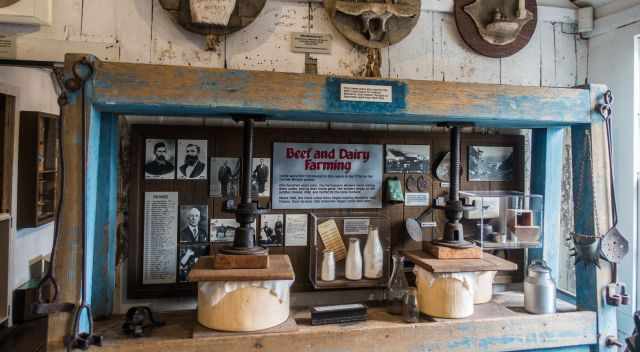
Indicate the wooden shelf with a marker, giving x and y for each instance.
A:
(488, 262)
(502, 321)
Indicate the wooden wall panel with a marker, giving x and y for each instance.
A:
(226, 142)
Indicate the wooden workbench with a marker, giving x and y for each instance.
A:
(497, 326)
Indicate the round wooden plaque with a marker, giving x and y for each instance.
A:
(470, 34)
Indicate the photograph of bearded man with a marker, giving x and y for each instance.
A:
(159, 159)
(192, 154)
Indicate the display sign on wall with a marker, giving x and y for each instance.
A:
(160, 245)
(327, 176)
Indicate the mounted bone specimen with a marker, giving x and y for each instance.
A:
(374, 24)
(7, 3)
(499, 28)
(496, 28)
(217, 12)
(213, 17)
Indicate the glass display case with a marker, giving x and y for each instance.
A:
(336, 234)
(504, 219)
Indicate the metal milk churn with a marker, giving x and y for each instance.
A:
(539, 289)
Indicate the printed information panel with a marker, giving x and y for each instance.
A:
(327, 176)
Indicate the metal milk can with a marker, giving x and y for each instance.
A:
(539, 289)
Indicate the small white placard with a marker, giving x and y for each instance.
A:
(295, 233)
(428, 224)
(416, 199)
(356, 226)
(365, 92)
(7, 46)
(315, 43)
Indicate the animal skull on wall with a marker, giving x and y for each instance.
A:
(213, 16)
(374, 24)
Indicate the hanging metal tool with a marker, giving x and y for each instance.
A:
(613, 245)
(455, 207)
(50, 304)
(244, 240)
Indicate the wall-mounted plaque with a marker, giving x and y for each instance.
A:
(326, 176)
(160, 245)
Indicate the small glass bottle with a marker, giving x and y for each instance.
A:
(353, 265)
(328, 272)
(398, 285)
(410, 312)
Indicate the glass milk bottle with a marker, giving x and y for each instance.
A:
(353, 267)
(373, 255)
(328, 272)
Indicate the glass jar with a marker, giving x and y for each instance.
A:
(398, 286)
(410, 312)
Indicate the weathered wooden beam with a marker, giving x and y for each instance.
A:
(546, 179)
(69, 255)
(592, 214)
(104, 238)
(509, 333)
(188, 91)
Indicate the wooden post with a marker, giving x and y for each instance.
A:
(104, 233)
(592, 214)
(546, 179)
(68, 257)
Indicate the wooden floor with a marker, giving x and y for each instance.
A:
(497, 326)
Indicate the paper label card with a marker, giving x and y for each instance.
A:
(365, 92)
(295, 230)
(332, 240)
(416, 199)
(356, 226)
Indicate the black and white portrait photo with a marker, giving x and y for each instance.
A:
(271, 230)
(194, 224)
(406, 158)
(490, 163)
(261, 177)
(160, 159)
(192, 159)
(187, 256)
(225, 177)
(223, 230)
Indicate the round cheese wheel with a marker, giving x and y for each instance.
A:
(244, 309)
(446, 295)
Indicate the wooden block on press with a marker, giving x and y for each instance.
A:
(488, 262)
(443, 252)
(226, 261)
(279, 269)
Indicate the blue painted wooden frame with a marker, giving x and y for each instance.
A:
(151, 89)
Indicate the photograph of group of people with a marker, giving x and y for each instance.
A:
(226, 173)
(161, 162)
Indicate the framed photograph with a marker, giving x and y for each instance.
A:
(402, 158)
(261, 177)
(160, 159)
(223, 230)
(192, 159)
(224, 180)
(194, 224)
(271, 230)
(188, 255)
(489, 163)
